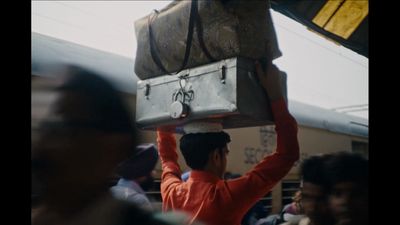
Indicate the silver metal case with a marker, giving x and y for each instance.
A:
(227, 91)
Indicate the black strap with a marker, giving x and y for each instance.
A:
(153, 48)
(154, 54)
(203, 47)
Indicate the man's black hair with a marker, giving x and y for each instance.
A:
(312, 169)
(196, 148)
(346, 167)
(105, 104)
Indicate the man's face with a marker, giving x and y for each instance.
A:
(225, 152)
(349, 203)
(220, 160)
(70, 152)
(69, 156)
(314, 203)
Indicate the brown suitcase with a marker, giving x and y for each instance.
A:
(218, 30)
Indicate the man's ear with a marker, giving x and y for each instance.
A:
(214, 157)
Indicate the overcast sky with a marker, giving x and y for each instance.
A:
(319, 72)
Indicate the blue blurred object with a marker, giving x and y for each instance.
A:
(185, 176)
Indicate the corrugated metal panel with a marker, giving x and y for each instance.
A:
(316, 117)
(48, 51)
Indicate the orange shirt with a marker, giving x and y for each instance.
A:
(214, 201)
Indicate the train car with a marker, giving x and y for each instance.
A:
(320, 130)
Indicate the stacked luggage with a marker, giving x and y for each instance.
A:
(196, 61)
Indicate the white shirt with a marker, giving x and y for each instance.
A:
(130, 191)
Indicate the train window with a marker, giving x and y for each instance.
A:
(289, 187)
(266, 201)
(154, 195)
(360, 148)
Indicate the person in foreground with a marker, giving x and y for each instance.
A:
(87, 133)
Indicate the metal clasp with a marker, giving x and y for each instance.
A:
(222, 75)
(147, 91)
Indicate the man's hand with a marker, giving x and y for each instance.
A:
(270, 80)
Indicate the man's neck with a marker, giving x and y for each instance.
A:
(213, 170)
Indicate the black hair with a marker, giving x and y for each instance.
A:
(196, 148)
(107, 110)
(103, 107)
(346, 167)
(312, 169)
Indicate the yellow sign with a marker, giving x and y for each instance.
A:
(342, 17)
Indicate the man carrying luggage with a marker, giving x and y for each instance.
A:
(206, 196)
